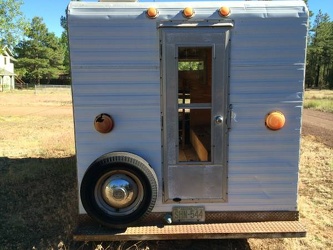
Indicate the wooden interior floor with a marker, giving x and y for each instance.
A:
(188, 154)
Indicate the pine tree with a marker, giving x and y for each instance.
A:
(320, 53)
(12, 22)
(40, 55)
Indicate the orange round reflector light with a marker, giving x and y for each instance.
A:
(224, 11)
(103, 123)
(152, 12)
(275, 120)
(188, 12)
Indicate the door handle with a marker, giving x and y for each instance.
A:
(218, 120)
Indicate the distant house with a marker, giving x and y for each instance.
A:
(7, 75)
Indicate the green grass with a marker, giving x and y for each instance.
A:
(321, 100)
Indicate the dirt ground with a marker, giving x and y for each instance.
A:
(318, 124)
(27, 104)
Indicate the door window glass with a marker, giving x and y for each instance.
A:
(194, 103)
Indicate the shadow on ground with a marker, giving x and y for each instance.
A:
(38, 202)
(232, 244)
(38, 209)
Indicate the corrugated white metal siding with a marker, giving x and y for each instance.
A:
(267, 71)
(115, 69)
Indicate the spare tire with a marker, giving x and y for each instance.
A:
(119, 189)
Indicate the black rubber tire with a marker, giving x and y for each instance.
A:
(129, 164)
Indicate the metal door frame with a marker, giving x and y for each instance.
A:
(218, 38)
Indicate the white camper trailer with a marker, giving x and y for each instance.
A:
(187, 118)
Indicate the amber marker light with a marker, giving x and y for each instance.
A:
(224, 11)
(103, 123)
(152, 12)
(188, 12)
(275, 120)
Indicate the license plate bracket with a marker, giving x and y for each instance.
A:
(188, 214)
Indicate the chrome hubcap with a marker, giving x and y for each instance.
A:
(119, 191)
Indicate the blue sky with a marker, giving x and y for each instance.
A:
(51, 11)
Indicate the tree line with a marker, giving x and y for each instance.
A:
(42, 56)
(319, 63)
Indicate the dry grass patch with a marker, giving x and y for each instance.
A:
(321, 100)
(36, 125)
(37, 170)
(315, 200)
(36, 136)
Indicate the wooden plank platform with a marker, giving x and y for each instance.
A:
(275, 229)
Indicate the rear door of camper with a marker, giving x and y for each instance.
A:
(195, 112)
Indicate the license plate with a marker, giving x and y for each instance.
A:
(188, 214)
